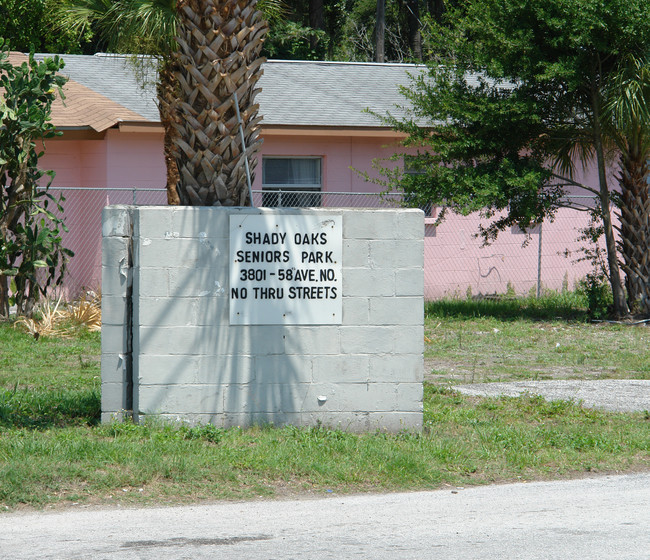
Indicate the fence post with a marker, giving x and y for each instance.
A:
(539, 263)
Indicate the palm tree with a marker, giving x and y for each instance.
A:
(219, 64)
(620, 125)
(627, 114)
(145, 27)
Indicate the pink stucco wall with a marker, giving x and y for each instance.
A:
(458, 264)
(135, 160)
(455, 263)
(84, 170)
(116, 160)
(342, 158)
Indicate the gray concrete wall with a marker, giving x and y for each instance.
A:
(189, 363)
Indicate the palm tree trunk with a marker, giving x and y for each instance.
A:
(167, 93)
(219, 55)
(635, 228)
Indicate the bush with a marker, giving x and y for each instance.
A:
(599, 295)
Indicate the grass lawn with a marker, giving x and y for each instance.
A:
(529, 339)
(54, 452)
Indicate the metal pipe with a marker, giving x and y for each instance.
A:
(243, 146)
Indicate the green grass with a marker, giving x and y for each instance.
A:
(466, 441)
(521, 339)
(48, 382)
(53, 451)
(565, 305)
(48, 362)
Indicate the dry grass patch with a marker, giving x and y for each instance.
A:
(63, 320)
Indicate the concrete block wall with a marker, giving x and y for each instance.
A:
(117, 288)
(188, 363)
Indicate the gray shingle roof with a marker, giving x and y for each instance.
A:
(294, 93)
(297, 93)
(115, 77)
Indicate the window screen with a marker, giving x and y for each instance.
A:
(288, 181)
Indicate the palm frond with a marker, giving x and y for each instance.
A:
(86, 313)
(56, 320)
(144, 26)
(79, 15)
(273, 10)
(45, 322)
(627, 103)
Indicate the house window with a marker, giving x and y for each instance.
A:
(291, 181)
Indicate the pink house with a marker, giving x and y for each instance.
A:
(317, 136)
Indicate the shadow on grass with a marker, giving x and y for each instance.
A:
(558, 306)
(40, 409)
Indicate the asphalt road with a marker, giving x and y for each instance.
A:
(604, 518)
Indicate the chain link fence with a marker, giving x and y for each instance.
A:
(549, 256)
(455, 263)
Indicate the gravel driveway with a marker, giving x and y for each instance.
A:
(621, 395)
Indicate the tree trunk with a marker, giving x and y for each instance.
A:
(436, 9)
(380, 31)
(316, 20)
(620, 305)
(4, 296)
(635, 229)
(167, 89)
(219, 56)
(19, 192)
(415, 36)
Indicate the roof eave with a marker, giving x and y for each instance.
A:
(332, 131)
(140, 126)
(79, 133)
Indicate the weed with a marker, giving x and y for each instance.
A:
(599, 295)
(63, 320)
(207, 432)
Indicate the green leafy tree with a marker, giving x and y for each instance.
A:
(28, 24)
(520, 95)
(31, 254)
(306, 30)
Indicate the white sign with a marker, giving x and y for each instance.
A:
(285, 270)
